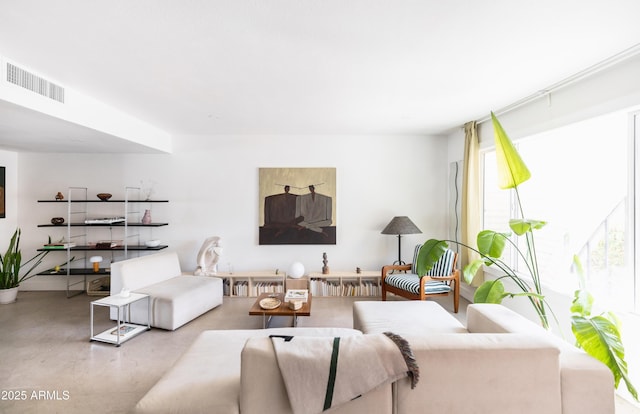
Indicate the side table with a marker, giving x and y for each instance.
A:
(123, 330)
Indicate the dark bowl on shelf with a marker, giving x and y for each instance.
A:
(57, 220)
(104, 196)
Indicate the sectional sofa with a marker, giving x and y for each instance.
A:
(500, 363)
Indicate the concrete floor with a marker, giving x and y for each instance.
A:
(48, 365)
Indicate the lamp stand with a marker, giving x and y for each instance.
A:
(399, 262)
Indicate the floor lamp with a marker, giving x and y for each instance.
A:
(400, 225)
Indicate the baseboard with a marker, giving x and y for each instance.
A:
(467, 292)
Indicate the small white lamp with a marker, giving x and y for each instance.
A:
(96, 263)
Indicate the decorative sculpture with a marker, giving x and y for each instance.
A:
(208, 257)
(325, 268)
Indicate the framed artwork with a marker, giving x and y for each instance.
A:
(297, 206)
(3, 213)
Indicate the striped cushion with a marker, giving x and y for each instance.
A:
(416, 250)
(443, 267)
(411, 283)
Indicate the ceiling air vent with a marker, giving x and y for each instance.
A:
(34, 83)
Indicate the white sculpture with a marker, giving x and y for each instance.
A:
(208, 257)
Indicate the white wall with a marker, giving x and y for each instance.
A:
(212, 185)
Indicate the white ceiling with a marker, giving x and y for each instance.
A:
(302, 66)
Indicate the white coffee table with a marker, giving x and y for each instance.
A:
(123, 330)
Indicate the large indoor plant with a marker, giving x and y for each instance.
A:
(598, 336)
(10, 266)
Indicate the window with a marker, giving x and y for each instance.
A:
(581, 184)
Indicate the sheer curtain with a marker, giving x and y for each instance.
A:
(471, 206)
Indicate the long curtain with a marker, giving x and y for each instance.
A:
(471, 205)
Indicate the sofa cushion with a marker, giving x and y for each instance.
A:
(143, 271)
(404, 317)
(177, 301)
(264, 390)
(411, 283)
(414, 262)
(482, 373)
(579, 371)
(206, 378)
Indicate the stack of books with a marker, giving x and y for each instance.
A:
(59, 245)
(301, 295)
(104, 220)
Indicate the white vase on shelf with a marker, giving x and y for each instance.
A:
(146, 218)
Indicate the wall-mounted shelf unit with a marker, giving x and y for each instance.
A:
(78, 230)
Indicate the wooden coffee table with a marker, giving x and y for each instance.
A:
(283, 310)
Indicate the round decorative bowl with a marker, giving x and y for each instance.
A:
(270, 303)
(57, 220)
(104, 196)
(152, 243)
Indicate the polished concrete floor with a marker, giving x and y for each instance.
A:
(48, 364)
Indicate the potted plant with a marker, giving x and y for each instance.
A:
(597, 335)
(10, 266)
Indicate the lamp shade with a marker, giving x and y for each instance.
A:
(401, 225)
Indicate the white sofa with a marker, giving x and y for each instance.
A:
(175, 298)
(585, 384)
(206, 378)
(484, 368)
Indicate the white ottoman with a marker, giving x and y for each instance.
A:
(410, 317)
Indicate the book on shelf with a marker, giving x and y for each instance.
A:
(124, 329)
(104, 220)
(106, 244)
(59, 245)
(296, 294)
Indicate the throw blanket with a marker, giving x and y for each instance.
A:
(323, 372)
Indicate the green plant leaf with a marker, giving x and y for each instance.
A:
(582, 282)
(430, 252)
(521, 226)
(11, 263)
(470, 270)
(491, 291)
(527, 294)
(512, 171)
(491, 243)
(600, 338)
(582, 303)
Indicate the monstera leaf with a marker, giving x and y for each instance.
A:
(470, 270)
(521, 226)
(430, 252)
(491, 291)
(491, 243)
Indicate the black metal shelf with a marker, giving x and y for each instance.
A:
(101, 201)
(75, 272)
(104, 225)
(117, 248)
